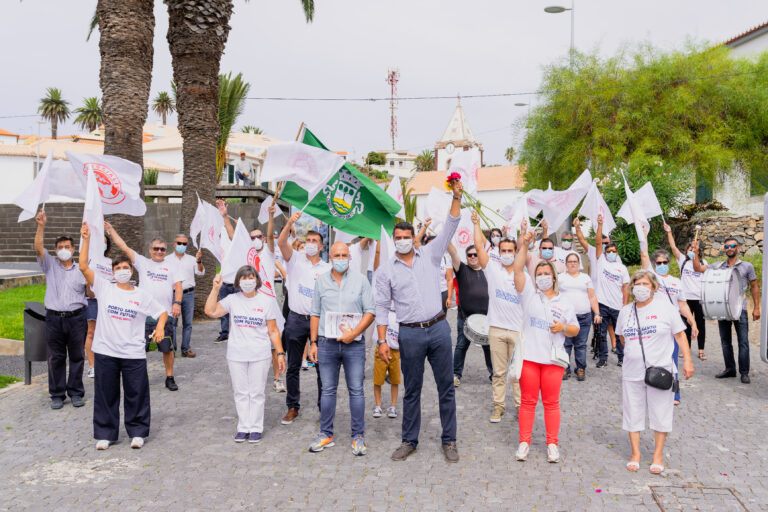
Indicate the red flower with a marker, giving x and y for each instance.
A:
(453, 176)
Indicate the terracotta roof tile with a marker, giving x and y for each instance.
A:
(6, 132)
(748, 32)
(502, 177)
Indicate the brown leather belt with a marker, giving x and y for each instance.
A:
(424, 325)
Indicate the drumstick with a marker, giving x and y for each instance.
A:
(696, 234)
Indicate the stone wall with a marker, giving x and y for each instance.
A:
(747, 229)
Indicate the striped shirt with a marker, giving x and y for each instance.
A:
(64, 287)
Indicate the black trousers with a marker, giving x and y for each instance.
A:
(65, 338)
(296, 336)
(698, 315)
(106, 400)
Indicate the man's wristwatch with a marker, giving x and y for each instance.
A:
(380, 342)
(177, 302)
(313, 342)
(280, 354)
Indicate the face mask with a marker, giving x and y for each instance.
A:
(247, 285)
(310, 249)
(566, 245)
(181, 249)
(495, 239)
(64, 254)
(690, 255)
(507, 259)
(662, 270)
(546, 253)
(610, 256)
(340, 265)
(123, 275)
(604, 247)
(258, 244)
(404, 245)
(544, 282)
(641, 293)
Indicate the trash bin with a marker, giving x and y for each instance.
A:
(35, 347)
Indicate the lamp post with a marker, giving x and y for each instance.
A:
(557, 9)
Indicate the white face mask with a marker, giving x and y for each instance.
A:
(123, 275)
(566, 245)
(64, 254)
(247, 285)
(310, 249)
(258, 244)
(404, 245)
(495, 239)
(641, 293)
(544, 282)
(507, 258)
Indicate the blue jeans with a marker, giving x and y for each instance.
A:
(609, 315)
(460, 352)
(579, 342)
(187, 312)
(433, 344)
(742, 336)
(331, 355)
(225, 290)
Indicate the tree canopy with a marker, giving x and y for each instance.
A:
(697, 110)
(89, 115)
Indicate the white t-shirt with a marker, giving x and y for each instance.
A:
(444, 266)
(493, 254)
(574, 290)
(670, 287)
(248, 333)
(302, 275)
(660, 321)
(593, 263)
(690, 278)
(609, 280)
(102, 266)
(560, 254)
(541, 313)
(157, 278)
(120, 329)
(505, 308)
(186, 269)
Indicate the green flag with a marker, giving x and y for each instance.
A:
(350, 201)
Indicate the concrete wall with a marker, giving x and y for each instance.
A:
(752, 47)
(733, 191)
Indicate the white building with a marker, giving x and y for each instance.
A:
(7, 137)
(398, 163)
(751, 43)
(456, 137)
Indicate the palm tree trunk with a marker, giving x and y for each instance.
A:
(197, 33)
(126, 30)
(164, 118)
(54, 127)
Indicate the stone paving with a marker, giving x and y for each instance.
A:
(716, 457)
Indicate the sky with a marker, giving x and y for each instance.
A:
(440, 47)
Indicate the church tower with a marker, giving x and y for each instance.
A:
(456, 137)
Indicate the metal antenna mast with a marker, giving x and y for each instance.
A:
(393, 76)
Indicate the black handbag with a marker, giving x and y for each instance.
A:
(655, 376)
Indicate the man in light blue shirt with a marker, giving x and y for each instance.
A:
(342, 309)
(412, 279)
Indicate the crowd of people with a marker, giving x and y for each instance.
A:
(537, 301)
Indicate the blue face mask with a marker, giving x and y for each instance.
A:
(610, 256)
(662, 270)
(604, 247)
(690, 255)
(340, 265)
(181, 249)
(546, 253)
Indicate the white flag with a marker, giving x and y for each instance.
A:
(437, 206)
(241, 252)
(208, 223)
(467, 164)
(465, 234)
(395, 191)
(307, 166)
(264, 211)
(557, 205)
(341, 236)
(93, 216)
(118, 179)
(595, 205)
(196, 226)
(639, 207)
(35, 194)
(515, 215)
(387, 250)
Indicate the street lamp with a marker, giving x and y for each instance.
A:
(557, 9)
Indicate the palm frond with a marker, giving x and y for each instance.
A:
(309, 9)
(93, 26)
(53, 105)
(232, 93)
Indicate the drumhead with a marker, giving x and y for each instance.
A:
(478, 323)
(735, 297)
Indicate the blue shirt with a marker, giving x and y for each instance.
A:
(353, 296)
(415, 289)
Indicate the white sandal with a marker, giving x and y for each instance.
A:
(633, 466)
(656, 469)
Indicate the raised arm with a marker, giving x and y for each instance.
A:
(82, 261)
(544, 229)
(439, 245)
(212, 306)
(271, 229)
(421, 233)
(672, 245)
(580, 235)
(698, 266)
(482, 254)
(119, 242)
(282, 240)
(222, 206)
(455, 259)
(599, 238)
(520, 259)
(41, 219)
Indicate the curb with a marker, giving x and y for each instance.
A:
(11, 347)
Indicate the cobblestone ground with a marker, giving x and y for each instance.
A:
(716, 457)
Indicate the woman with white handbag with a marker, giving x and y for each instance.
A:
(547, 320)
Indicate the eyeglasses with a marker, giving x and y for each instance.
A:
(473, 255)
(159, 249)
(730, 246)
(182, 243)
(571, 262)
(662, 262)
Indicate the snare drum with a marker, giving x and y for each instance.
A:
(476, 329)
(721, 293)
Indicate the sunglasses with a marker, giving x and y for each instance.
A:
(730, 246)
(159, 249)
(662, 262)
(472, 255)
(257, 236)
(182, 243)
(610, 251)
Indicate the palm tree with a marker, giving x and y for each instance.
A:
(509, 154)
(232, 93)
(89, 115)
(127, 48)
(409, 202)
(163, 105)
(53, 108)
(251, 129)
(425, 161)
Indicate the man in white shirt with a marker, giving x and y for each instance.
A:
(159, 278)
(244, 171)
(187, 267)
(303, 270)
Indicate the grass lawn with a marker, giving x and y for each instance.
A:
(5, 380)
(12, 309)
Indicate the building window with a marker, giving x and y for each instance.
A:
(391, 163)
(400, 163)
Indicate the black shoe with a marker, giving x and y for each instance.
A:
(580, 375)
(620, 363)
(725, 374)
(57, 403)
(601, 363)
(171, 384)
(566, 375)
(220, 339)
(613, 350)
(745, 378)
(77, 401)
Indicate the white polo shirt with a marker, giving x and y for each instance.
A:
(302, 275)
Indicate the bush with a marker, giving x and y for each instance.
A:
(708, 205)
(150, 176)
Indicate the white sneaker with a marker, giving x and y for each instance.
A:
(102, 444)
(137, 442)
(392, 412)
(377, 412)
(304, 364)
(456, 381)
(280, 387)
(522, 451)
(275, 383)
(91, 373)
(553, 453)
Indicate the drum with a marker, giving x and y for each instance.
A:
(476, 329)
(721, 293)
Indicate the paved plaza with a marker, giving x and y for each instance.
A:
(717, 456)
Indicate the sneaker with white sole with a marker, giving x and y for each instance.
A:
(498, 412)
(91, 373)
(321, 443)
(522, 451)
(102, 444)
(304, 364)
(279, 386)
(392, 412)
(137, 443)
(377, 412)
(456, 381)
(553, 453)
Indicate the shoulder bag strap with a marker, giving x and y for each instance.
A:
(639, 333)
(666, 290)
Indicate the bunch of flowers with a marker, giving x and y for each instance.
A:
(472, 202)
